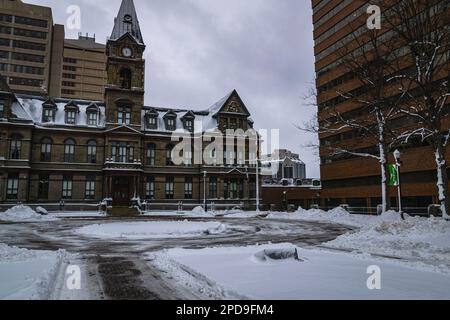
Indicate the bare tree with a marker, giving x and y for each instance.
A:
(371, 61)
(423, 27)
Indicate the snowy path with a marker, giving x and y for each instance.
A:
(177, 257)
(117, 268)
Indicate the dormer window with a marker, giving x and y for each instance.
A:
(92, 118)
(92, 113)
(170, 121)
(171, 124)
(72, 111)
(189, 125)
(151, 119)
(48, 115)
(188, 121)
(152, 122)
(71, 117)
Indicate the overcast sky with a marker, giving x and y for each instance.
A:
(199, 50)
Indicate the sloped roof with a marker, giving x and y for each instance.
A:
(127, 23)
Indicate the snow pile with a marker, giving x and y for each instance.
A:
(337, 215)
(238, 213)
(221, 228)
(42, 211)
(28, 274)
(322, 275)
(24, 213)
(152, 230)
(277, 254)
(425, 241)
(198, 210)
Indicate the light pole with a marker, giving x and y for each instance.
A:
(205, 173)
(257, 184)
(398, 164)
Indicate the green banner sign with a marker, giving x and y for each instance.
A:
(393, 176)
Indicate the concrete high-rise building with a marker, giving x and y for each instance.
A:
(83, 69)
(26, 39)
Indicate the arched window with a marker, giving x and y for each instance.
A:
(15, 148)
(69, 151)
(169, 149)
(92, 151)
(46, 149)
(125, 78)
(151, 154)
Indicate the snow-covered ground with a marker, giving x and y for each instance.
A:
(200, 213)
(151, 230)
(418, 241)
(26, 214)
(251, 272)
(28, 274)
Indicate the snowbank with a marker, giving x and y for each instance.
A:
(23, 213)
(424, 241)
(150, 230)
(319, 275)
(198, 210)
(28, 274)
(337, 215)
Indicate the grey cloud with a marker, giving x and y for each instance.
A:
(199, 50)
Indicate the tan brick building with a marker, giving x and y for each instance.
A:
(83, 69)
(27, 35)
(85, 151)
(349, 179)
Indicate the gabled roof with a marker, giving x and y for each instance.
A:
(72, 105)
(123, 129)
(219, 106)
(127, 23)
(189, 115)
(92, 107)
(170, 114)
(152, 112)
(50, 103)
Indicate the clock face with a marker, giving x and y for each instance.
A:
(127, 52)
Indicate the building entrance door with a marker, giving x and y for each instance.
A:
(121, 191)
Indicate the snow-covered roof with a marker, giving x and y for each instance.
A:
(216, 107)
(31, 107)
(203, 121)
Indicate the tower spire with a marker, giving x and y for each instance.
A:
(127, 22)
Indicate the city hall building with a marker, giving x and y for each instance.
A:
(80, 151)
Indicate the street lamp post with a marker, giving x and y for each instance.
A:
(205, 173)
(398, 164)
(257, 184)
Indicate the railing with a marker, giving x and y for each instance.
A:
(57, 207)
(182, 207)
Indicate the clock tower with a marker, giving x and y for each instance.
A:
(124, 92)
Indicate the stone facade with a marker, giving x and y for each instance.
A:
(78, 151)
